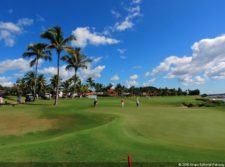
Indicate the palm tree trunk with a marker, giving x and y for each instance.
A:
(75, 81)
(57, 84)
(35, 82)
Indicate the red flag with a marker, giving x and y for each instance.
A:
(129, 161)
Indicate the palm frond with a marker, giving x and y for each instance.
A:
(49, 36)
(28, 54)
(65, 58)
(33, 62)
(31, 47)
(41, 45)
(69, 39)
(46, 57)
(70, 66)
(57, 31)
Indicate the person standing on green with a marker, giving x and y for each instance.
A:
(19, 99)
(122, 103)
(95, 102)
(137, 102)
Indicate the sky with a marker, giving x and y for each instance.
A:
(172, 43)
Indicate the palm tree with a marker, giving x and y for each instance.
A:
(41, 84)
(77, 86)
(120, 89)
(38, 51)
(84, 88)
(30, 80)
(21, 86)
(58, 43)
(66, 86)
(75, 60)
(98, 87)
(55, 83)
(91, 82)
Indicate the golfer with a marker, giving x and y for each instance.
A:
(137, 102)
(19, 99)
(122, 103)
(95, 102)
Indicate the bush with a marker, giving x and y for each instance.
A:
(205, 103)
(204, 95)
(188, 104)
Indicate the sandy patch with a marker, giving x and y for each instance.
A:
(22, 123)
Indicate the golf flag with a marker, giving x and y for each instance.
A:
(129, 161)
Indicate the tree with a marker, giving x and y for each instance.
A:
(109, 86)
(194, 92)
(66, 86)
(90, 82)
(55, 83)
(77, 86)
(75, 60)
(119, 89)
(58, 43)
(41, 84)
(131, 90)
(38, 51)
(134, 91)
(20, 87)
(84, 88)
(98, 87)
(30, 81)
(179, 92)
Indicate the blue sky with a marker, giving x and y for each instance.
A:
(174, 43)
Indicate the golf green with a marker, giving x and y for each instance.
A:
(159, 130)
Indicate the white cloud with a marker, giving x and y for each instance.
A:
(169, 61)
(131, 83)
(217, 72)
(123, 57)
(121, 51)
(115, 78)
(134, 11)
(125, 24)
(96, 59)
(115, 13)
(84, 37)
(148, 74)
(90, 72)
(4, 81)
(18, 75)
(25, 22)
(19, 66)
(64, 74)
(197, 80)
(149, 82)
(206, 61)
(9, 26)
(82, 73)
(14, 64)
(136, 1)
(134, 77)
(49, 70)
(9, 31)
(7, 37)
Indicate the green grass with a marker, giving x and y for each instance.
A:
(160, 130)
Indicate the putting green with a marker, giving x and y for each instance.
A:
(160, 130)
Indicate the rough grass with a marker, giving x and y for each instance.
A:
(160, 130)
(20, 123)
